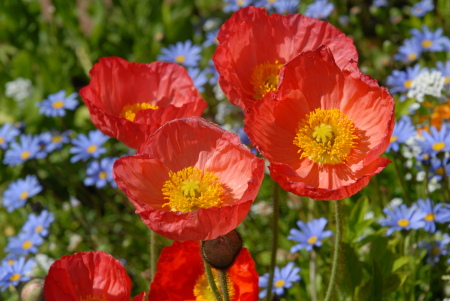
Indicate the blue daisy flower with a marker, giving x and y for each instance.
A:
(403, 130)
(13, 274)
(199, 78)
(439, 168)
(311, 234)
(54, 140)
(24, 243)
(234, 5)
(436, 249)
(421, 8)
(431, 41)
(7, 134)
(402, 218)
(380, 3)
(211, 71)
(38, 223)
(319, 9)
(435, 141)
(18, 192)
(283, 279)
(432, 213)
(100, 173)
(185, 54)
(410, 51)
(401, 81)
(85, 147)
(23, 151)
(211, 38)
(57, 104)
(445, 70)
(285, 7)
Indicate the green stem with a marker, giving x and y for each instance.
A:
(273, 256)
(337, 243)
(152, 254)
(402, 181)
(224, 284)
(211, 281)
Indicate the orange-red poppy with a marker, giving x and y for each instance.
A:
(88, 276)
(253, 46)
(325, 128)
(191, 180)
(181, 275)
(129, 101)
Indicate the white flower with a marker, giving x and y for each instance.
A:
(427, 83)
(19, 89)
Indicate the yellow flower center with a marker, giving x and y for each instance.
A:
(129, 111)
(94, 298)
(2, 140)
(312, 240)
(15, 277)
(427, 43)
(439, 171)
(408, 83)
(92, 148)
(10, 262)
(436, 251)
(102, 175)
(412, 56)
(430, 217)
(264, 78)
(403, 223)
(240, 2)
(27, 244)
(203, 292)
(280, 283)
(326, 136)
(191, 189)
(58, 104)
(23, 195)
(39, 229)
(180, 59)
(393, 139)
(438, 146)
(447, 81)
(56, 139)
(25, 155)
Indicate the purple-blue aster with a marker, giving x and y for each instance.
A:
(85, 147)
(285, 7)
(23, 151)
(211, 71)
(234, 5)
(380, 3)
(433, 213)
(439, 168)
(100, 173)
(445, 70)
(431, 41)
(410, 51)
(435, 141)
(211, 38)
(38, 224)
(283, 279)
(199, 78)
(402, 218)
(437, 248)
(7, 133)
(401, 81)
(421, 8)
(57, 104)
(403, 130)
(319, 9)
(184, 53)
(15, 273)
(24, 243)
(18, 192)
(55, 140)
(311, 234)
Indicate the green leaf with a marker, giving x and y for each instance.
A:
(399, 262)
(352, 271)
(393, 282)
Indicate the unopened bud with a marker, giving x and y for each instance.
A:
(32, 290)
(221, 252)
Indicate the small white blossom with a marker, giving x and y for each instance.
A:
(19, 89)
(427, 83)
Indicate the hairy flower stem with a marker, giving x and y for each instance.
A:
(273, 256)
(211, 281)
(402, 180)
(337, 244)
(224, 285)
(152, 254)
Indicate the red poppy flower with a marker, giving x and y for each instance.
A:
(253, 46)
(129, 101)
(325, 128)
(181, 275)
(191, 180)
(88, 276)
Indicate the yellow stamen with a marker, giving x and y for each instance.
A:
(280, 283)
(438, 146)
(27, 244)
(403, 223)
(23, 195)
(312, 240)
(25, 155)
(427, 43)
(57, 139)
(408, 83)
(436, 251)
(191, 189)
(15, 277)
(240, 2)
(439, 171)
(102, 175)
(430, 217)
(39, 229)
(412, 56)
(10, 262)
(180, 59)
(203, 292)
(92, 148)
(326, 136)
(393, 138)
(447, 80)
(129, 111)
(264, 78)
(58, 104)
(2, 140)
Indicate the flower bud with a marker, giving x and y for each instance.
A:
(221, 252)
(32, 290)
